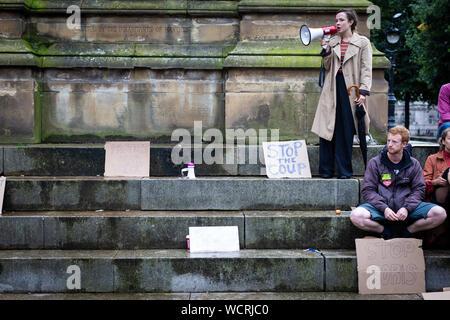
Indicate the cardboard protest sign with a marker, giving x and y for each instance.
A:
(214, 239)
(127, 159)
(2, 192)
(390, 266)
(444, 295)
(286, 159)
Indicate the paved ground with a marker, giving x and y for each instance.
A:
(211, 296)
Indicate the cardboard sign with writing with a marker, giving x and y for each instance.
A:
(286, 159)
(390, 266)
(214, 239)
(127, 159)
(2, 192)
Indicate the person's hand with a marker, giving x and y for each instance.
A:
(326, 42)
(361, 100)
(390, 214)
(439, 182)
(402, 213)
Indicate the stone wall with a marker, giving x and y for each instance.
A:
(140, 69)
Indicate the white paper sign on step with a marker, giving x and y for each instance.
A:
(214, 239)
(2, 192)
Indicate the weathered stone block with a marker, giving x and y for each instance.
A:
(282, 111)
(341, 270)
(274, 99)
(437, 270)
(293, 230)
(131, 230)
(422, 152)
(12, 25)
(138, 29)
(46, 271)
(54, 28)
(55, 161)
(21, 232)
(72, 194)
(169, 160)
(19, 117)
(248, 194)
(215, 30)
(139, 104)
(286, 26)
(247, 270)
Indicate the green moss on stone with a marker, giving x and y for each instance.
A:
(14, 46)
(273, 61)
(307, 3)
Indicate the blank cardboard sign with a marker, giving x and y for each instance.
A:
(214, 239)
(390, 266)
(2, 192)
(127, 159)
(445, 295)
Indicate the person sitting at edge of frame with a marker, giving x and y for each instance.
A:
(435, 173)
(394, 188)
(443, 109)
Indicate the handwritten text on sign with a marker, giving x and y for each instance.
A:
(394, 266)
(286, 159)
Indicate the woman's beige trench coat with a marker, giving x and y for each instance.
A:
(357, 69)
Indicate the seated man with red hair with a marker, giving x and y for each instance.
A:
(394, 189)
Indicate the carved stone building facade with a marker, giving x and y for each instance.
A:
(140, 69)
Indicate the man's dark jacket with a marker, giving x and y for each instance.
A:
(404, 189)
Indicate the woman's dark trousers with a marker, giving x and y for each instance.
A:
(340, 147)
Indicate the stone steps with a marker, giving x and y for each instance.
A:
(127, 235)
(89, 160)
(241, 296)
(168, 229)
(214, 193)
(134, 271)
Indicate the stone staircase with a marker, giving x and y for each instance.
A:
(128, 235)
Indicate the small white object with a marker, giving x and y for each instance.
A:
(214, 239)
(190, 171)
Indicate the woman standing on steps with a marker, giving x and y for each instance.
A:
(347, 60)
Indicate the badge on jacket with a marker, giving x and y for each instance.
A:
(386, 179)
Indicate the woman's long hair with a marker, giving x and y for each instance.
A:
(442, 139)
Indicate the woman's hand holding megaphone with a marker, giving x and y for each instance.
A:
(326, 42)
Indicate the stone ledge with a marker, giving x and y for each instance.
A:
(89, 160)
(71, 194)
(179, 271)
(161, 7)
(342, 274)
(162, 271)
(288, 53)
(223, 194)
(108, 230)
(280, 6)
(101, 49)
(211, 296)
(11, 4)
(186, 7)
(248, 54)
(248, 194)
